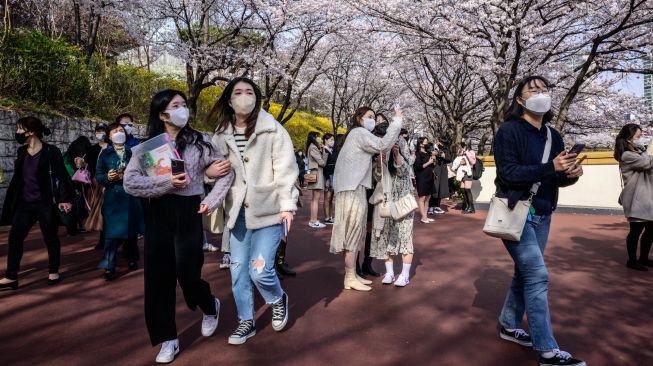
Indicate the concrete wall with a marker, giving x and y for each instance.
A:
(598, 188)
(64, 131)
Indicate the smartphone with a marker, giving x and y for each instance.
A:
(177, 166)
(285, 229)
(577, 149)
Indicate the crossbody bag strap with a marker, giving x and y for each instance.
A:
(54, 200)
(545, 159)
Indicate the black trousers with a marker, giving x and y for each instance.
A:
(633, 237)
(25, 217)
(173, 252)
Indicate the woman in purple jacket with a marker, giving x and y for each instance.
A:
(173, 223)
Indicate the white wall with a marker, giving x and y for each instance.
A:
(599, 187)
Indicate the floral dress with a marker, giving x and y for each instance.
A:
(396, 236)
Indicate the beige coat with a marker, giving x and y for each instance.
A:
(316, 163)
(265, 175)
(637, 194)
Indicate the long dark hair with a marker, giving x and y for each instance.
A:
(355, 122)
(33, 124)
(418, 144)
(155, 126)
(222, 114)
(311, 139)
(78, 148)
(622, 143)
(516, 111)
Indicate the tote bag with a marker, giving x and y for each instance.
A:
(504, 223)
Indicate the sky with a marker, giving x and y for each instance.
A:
(633, 84)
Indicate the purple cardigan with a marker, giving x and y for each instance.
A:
(138, 183)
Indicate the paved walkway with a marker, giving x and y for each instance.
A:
(602, 312)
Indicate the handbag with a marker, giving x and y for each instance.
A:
(310, 177)
(395, 210)
(214, 223)
(82, 175)
(507, 224)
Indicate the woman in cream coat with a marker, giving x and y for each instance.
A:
(317, 158)
(353, 174)
(260, 202)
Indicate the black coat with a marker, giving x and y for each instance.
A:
(441, 188)
(51, 159)
(423, 176)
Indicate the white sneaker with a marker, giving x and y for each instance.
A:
(402, 281)
(169, 350)
(430, 219)
(388, 279)
(209, 248)
(210, 322)
(316, 225)
(438, 211)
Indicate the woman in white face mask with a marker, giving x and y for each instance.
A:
(122, 213)
(353, 175)
(173, 223)
(260, 203)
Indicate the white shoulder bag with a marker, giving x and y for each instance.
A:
(398, 209)
(504, 223)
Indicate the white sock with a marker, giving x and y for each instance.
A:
(547, 354)
(405, 270)
(389, 268)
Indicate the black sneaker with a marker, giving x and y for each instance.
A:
(561, 358)
(246, 330)
(280, 313)
(518, 336)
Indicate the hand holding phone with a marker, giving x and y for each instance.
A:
(577, 149)
(177, 166)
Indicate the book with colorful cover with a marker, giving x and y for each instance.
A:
(155, 154)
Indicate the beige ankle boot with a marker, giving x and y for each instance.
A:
(362, 280)
(351, 283)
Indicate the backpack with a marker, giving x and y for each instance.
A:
(477, 170)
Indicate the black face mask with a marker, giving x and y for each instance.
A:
(20, 138)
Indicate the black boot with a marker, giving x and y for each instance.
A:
(358, 268)
(368, 270)
(280, 261)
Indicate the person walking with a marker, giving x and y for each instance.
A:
(396, 237)
(520, 150)
(636, 167)
(463, 168)
(173, 223)
(39, 187)
(261, 202)
(122, 213)
(329, 168)
(353, 175)
(423, 166)
(317, 159)
(441, 176)
(301, 166)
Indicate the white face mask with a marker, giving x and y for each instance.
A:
(243, 104)
(179, 116)
(128, 129)
(330, 143)
(538, 104)
(100, 136)
(119, 138)
(369, 124)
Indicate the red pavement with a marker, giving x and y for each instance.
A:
(602, 312)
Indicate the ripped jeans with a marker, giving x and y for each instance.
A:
(252, 262)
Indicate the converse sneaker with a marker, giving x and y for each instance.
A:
(402, 281)
(438, 211)
(169, 350)
(316, 225)
(226, 261)
(246, 330)
(388, 279)
(561, 358)
(210, 322)
(209, 248)
(328, 221)
(518, 336)
(280, 313)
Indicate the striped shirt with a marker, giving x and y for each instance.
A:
(241, 140)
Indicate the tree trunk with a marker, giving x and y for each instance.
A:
(78, 22)
(483, 141)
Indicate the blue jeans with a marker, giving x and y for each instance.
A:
(530, 284)
(252, 262)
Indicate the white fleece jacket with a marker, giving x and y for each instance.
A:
(265, 175)
(460, 168)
